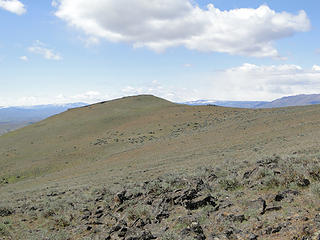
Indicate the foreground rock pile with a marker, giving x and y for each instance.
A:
(273, 198)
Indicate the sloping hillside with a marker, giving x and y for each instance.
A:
(190, 172)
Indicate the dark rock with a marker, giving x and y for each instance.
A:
(139, 223)
(270, 162)
(86, 216)
(4, 212)
(200, 202)
(248, 174)
(285, 194)
(315, 174)
(89, 228)
(162, 215)
(122, 232)
(279, 197)
(229, 233)
(186, 195)
(120, 197)
(99, 199)
(275, 208)
(115, 228)
(199, 185)
(277, 229)
(212, 177)
(99, 211)
(268, 230)
(317, 218)
(195, 231)
(303, 182)
(236, 218)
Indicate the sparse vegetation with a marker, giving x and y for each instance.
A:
(107, 172)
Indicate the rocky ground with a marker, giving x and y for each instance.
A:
(276, 197)
(144, 168)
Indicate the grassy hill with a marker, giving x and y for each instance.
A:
(189, 172)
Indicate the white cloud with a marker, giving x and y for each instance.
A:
(159, 24)
(316, 68)
(175, 94)
(24, 58)
(13, 6)
(86, 97)
(54, 3)
(243, 83)
(41, 49)
(253, 82)
(187, 65)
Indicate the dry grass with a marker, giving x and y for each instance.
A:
(133, 140)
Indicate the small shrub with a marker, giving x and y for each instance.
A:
(229, 184)
(264, 172)
(4, 231)
(316, 189)
(49, 213)
(271, 182)
(62, 222)
(137, 212)
(170, 236)
(314, 172)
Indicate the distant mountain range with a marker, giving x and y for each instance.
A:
(297, 100)
(34, 113)
(12, 118)
(15, 117)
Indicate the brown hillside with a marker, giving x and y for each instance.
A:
(137, 139)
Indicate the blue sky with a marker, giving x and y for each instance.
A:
(69, 50)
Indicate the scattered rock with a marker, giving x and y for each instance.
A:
(236, 218)
(200, 202)
(4, 212)
(120, 197)
(282, 195)
(275, 208)
(303, 182)
(140, 235)
(248, 174)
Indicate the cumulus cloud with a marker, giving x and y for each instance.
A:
(13, 6)
(159, 24)
(41, 49)
(254, 82)
(86, 97)
(316, 68)
(172, 93)
(24, 58)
